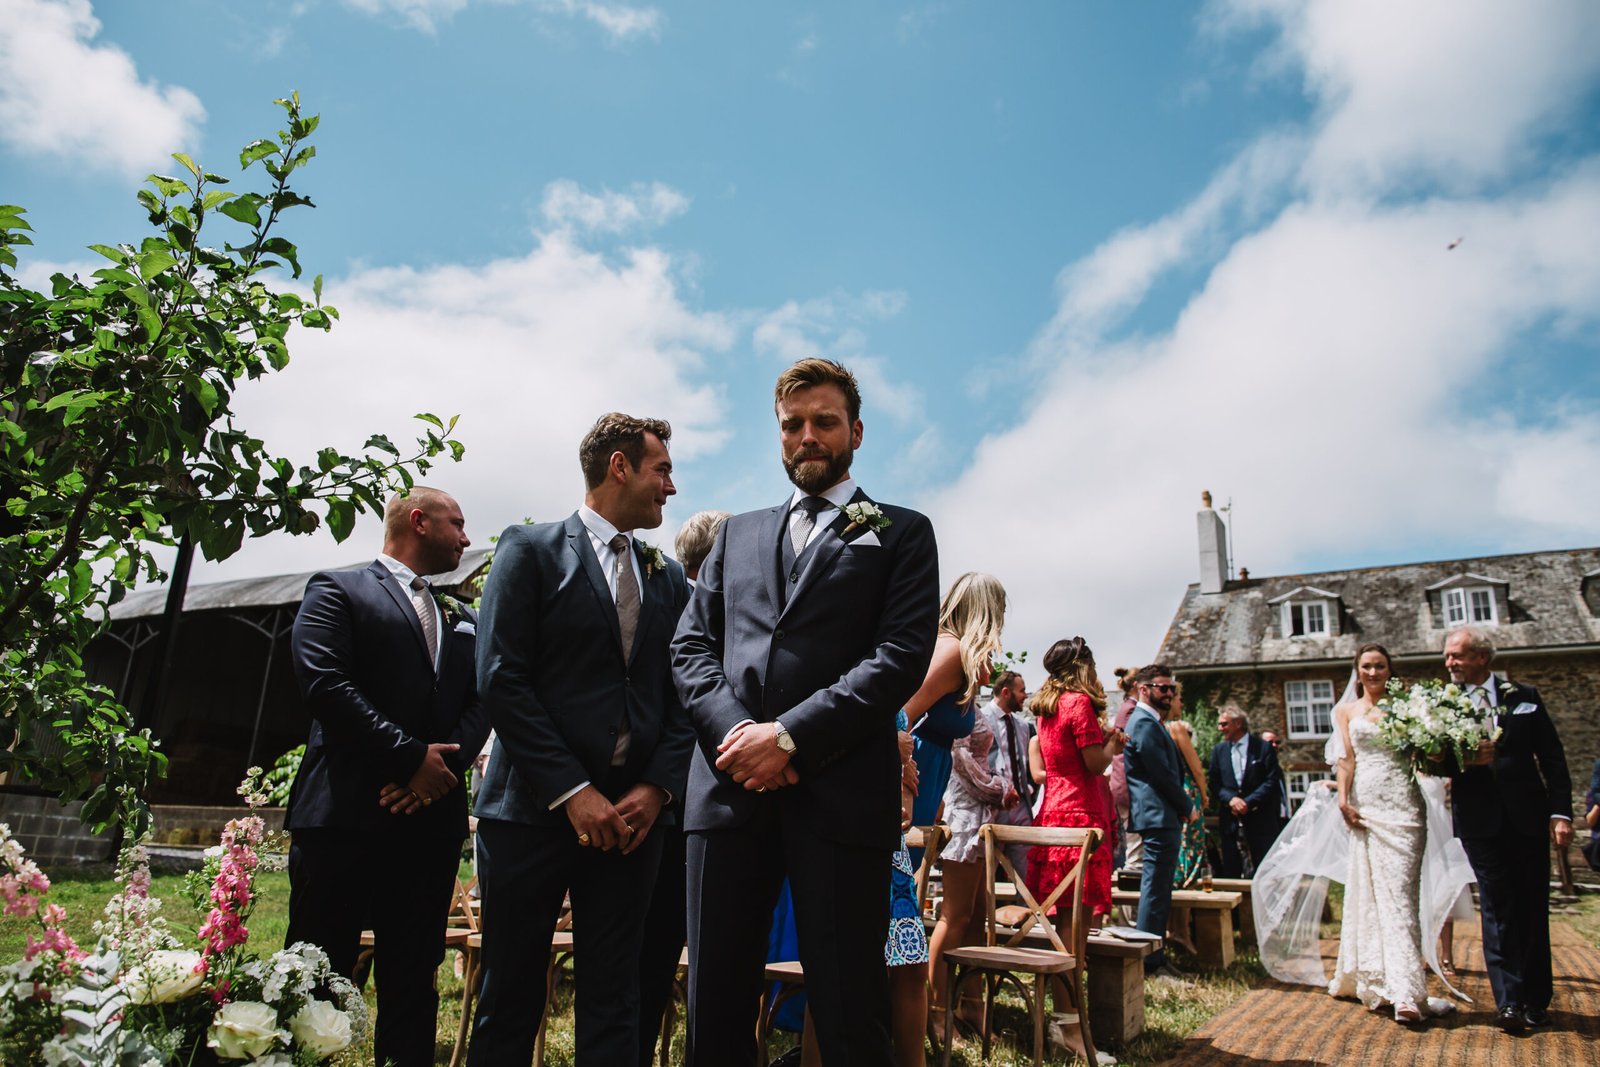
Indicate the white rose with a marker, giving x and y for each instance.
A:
(320, 1028)
(166, 976)
(244, 1030)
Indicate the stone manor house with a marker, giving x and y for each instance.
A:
(1281, 647)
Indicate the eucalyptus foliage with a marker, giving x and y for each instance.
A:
(117, 436)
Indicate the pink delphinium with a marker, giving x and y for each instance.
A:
(232, 891)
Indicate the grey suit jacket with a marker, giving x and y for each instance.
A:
(833, 660)
(555, 683)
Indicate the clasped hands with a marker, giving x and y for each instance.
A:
(603, 825)
(750, 756)
(432, 779)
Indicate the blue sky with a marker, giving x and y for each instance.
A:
(1089, 259)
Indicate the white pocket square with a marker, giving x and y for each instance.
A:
(868, 538)
(1524, 709)
(464, 627)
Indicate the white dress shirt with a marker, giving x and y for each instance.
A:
(404, 576)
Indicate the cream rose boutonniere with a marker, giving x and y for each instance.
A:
(654, 561)
(864, 515)
(454, 610)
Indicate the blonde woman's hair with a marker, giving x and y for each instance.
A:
(974, 612)
(1071, 667)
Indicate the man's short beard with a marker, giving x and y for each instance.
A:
(831, 473)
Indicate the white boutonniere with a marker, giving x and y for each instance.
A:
(654, 561)
(864, 514)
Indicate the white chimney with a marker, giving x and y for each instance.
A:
(1213, 547)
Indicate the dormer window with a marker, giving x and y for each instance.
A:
(1470, 605)
(1307, 612)
(1470, 600)
(1305, 618)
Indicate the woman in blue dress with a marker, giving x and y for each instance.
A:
(941, 713)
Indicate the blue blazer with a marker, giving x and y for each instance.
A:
(1262, 788)
(1155, 776)
(376, 703)
(834, 660)
(1525, 783)
(556, 684)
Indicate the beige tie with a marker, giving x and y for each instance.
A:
(627, 595)
(423, 603)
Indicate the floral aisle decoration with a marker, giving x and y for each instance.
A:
(144, 997)
(1433, 722)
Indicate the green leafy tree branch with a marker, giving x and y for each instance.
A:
(117, 437)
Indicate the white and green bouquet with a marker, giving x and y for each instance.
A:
(143, 997)
(1430, 723)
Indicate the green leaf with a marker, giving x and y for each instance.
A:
(341, 518)
(256, 150)
(167, 186)
(115, 255)
(245, 209)
(433, 419)
(153, 263)
(183, 158)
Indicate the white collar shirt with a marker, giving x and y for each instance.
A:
(600, 533)
(1241, 753)
(836, 497)
(404, 575)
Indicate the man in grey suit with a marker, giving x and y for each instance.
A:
(811, 624)
(1158, 806)
(591, 746)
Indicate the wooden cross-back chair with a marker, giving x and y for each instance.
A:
(931, 839)
(1067, 933)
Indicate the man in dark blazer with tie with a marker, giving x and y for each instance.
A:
(811, 624)
(1157, 805)
(377, 813)
(591, 745)
(1248, 784)
(1511, 802)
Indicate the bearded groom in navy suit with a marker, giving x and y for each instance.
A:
(810, 626)
(591, 747)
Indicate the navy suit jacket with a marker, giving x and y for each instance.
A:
(1156, 799)
(1526, 782)
(376, 703)
(1262, 788)
(834, 661)
(555, 682)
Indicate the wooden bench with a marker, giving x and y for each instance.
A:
(1213, 921)
(1116, 978)
(1246, 915)
(1116, 987)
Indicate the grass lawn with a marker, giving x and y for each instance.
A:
(1173, 1009)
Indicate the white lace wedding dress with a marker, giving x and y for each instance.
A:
(1380, 939)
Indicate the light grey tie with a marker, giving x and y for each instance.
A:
(627, 595)
(422, 601)
(804, 522)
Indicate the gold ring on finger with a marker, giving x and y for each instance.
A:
(426, 801)
(583, 839)
(761, 789)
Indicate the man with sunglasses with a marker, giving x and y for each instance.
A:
(1158, 805)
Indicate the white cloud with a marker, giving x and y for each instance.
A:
(620, 22)
(1448, 91)
(567, 206)
(65, 96)
(1336, 371)
(530, 350)
(834, 327)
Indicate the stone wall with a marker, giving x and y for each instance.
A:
(202, 824)
(51, 832)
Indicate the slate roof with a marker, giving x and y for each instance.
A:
(1390, 605)
(279, 590)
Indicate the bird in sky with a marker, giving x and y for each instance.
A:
(1454, 244)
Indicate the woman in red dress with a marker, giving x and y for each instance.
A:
(1077, 749)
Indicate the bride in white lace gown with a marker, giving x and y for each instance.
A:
(1380, 940)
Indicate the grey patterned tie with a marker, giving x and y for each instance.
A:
(627, 594)
(422, 601)
(804, 522)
